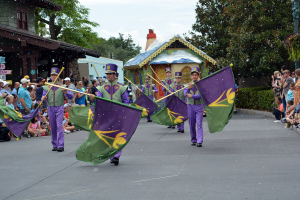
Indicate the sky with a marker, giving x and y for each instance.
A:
(135, 17)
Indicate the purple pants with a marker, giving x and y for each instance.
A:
(117, 155)
(56, 118)
(180, 126)
(195, 113)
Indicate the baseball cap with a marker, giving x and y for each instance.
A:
(24, 80)
(67, 105)
(27, 77)
(5, 83)
(67, 79)
(39, 79)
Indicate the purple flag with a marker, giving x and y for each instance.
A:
(218, 94)
(16, 122)
(174, 113)
(145, 103)
(113, 126)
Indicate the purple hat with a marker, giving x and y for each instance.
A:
(54, 71)
(178, 74)
(168, 69)
(111, 68)
(195, 69)
(147, 77)
(117, 75)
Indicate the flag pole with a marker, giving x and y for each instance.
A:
(62, 69)
(96, 72)
(160, 84)
(133, 84)
(171, 94)
(154, 73)
(68, 89)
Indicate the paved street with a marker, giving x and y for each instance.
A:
(253, 158)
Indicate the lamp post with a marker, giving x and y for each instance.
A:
(295, 5)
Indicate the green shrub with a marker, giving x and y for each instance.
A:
(259, 98)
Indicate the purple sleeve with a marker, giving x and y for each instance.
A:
(154, 88)
(99, 94)
(143, 89)
(125, 98)
(69, 95)
(186, 91)
(171, 89)
(197, 97)
(44, 93)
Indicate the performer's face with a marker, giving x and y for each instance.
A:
(147, 80)
(178, 80)
(169, 75)
(195, 76)
(53, 77)
(110, 77)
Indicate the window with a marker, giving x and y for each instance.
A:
(22, 18)
(186, 75)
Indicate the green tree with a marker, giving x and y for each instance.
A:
(70, 25)
(257, 32)
(209, 33)
(248, 34)
(118, 48)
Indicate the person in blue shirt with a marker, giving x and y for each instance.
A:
(24, 96)
(4, 89)
(80, 98)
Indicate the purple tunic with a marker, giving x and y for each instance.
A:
(125, 100)
(56, 117)
(195, 114)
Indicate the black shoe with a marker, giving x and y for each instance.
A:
(60, 149)
(54, 149)
(149, 120)
(235, 112)
(179, 131)
(115, 161)
(182, 131)
(199, 144)
(193, 143)
(173, 127)
(169, 126)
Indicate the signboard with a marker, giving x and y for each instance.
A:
(2, 72)
(2, 66)
(3, 77)
(2, 59)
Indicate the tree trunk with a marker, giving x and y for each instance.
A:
(52, 27)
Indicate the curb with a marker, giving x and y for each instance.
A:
(264, 113)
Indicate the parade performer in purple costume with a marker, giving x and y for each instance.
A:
(195, 108)
(177, 86)
(55, 99)
(149, 89)
(113, 91)
(168, 82)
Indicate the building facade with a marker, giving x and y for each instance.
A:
(175, 53)
(87, 69)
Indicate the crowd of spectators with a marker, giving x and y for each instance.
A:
(25, 96)
(286, 86)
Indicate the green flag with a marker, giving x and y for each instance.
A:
(82, 117)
